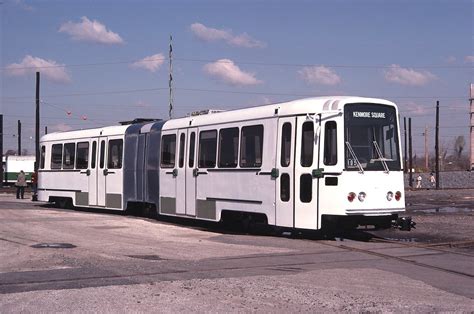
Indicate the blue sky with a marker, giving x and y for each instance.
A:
(231, 54)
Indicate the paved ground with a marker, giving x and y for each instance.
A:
(122, 263)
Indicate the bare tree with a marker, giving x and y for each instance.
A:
(459, 145)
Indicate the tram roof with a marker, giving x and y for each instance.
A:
(104, 131)
(300, 106)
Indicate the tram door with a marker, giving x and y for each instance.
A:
(169, 172)
(101, 166)
(190, 165)
(285, 159)
(181, 173)
(306, 186)
(93, 172)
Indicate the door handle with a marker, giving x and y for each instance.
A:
(196, 172)
(87, 172)
(106, 172)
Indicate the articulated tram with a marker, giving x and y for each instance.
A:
(302, 164)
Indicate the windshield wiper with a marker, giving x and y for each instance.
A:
(349, 147)
(382, 158)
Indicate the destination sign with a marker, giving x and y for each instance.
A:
(368, 114)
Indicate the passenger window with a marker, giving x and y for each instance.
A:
(330, 143)
(306, 188)
(56, 156)
(168, 151)
(251, 146)
(307, 144)
(285, 187)
(43, 156)
(207, 149)
(182, 138)
(285, 145)
(69, 155)
(192, 144)
(82, 161)
(94, 153)
(228, 147)
(115, 154)
(102, 154)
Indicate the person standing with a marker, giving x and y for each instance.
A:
(418, 181)
(20, 185)
(432, 180)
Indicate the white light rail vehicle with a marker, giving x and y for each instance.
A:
(304, 164)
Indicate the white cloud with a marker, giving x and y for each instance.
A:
(23, 5)
(451, 59)
(226, 71)
(49, 69)
(412, 108)
(92, 31)
(319, 75)
(469, 59)
(150, 63)
(404, 76)
(61, 127)
(213, 34)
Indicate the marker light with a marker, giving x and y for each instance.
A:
(389, 196)
(351, 196)
(362, 196)
(398, 195)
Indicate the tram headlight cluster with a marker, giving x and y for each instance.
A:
(361, 197)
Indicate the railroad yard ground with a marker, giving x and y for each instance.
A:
(111, 262)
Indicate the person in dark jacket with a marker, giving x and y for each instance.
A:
(20, 185)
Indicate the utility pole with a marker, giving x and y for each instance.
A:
(37, 128)
(170, 83)
(437, 145)
(45, 130)
(471, 101)
(19, 138)
(426, 147)
(1, 149)
(410, 153)
(405, 164)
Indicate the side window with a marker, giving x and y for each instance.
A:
(182, 139)
(285, 187)
(228, 147)
(207, 149)
(285, 145)
(251, 146)
(192, 144)
(43, 156)
(330, 143)
(93, 154)
(82, 160)
(306, 188)
(115, 154)
(102, 154)
(168, 151)
(69, 155)
(307, 144)
(56, 156)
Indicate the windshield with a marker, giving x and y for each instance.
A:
(371, 132)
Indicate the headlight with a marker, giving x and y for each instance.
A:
(351, 196)
(362, 196)
(398, 195)
(389, 196)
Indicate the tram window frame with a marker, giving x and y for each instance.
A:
(207, 149)
(251, 157)
(192, 148)
(168, 148)
(56, 157)
(307, 144)
(182, 146)
(69, 155)
(285, 154)
(102, 154)
(82, 155)
(93, 154)
(228, 147)
(285, 190)
(330, 143)
(115, 154)
(42, 156)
